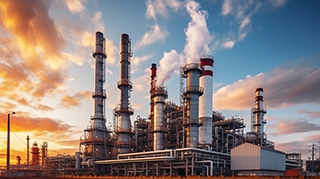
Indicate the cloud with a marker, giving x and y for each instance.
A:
(74, 101)
(198, 36)
(298, 146)
(291, 126)
(76, 6)
(278, 3)
(135, 61)
(315, 114)
(43, 107)
(35, 44)
(228, 44)
(137, 106)
(36, 124)
(280, 89)
(152, 36)
(112, 52)
(156, 33)
(97, 21)
(139, 84)
(226, 7)
(160, 7)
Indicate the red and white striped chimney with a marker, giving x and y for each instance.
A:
(205, 101)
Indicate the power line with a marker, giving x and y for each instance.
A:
(17, 136)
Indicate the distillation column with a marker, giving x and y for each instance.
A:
(96, 135)
(153, 75)
(205, 101)
(159, 95)
(124, 110)
(191, 95)
(259, 112)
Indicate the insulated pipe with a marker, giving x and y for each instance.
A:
(159, 95)
(191, 95)
(205, 101)
(211, 165)
(259, 112)
(124, 110)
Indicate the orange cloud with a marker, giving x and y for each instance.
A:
(26, 123)
(284, 127)
(74, 101)
(280, 88)
(315, 114)
(31, 49)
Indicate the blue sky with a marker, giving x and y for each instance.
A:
(46, 72)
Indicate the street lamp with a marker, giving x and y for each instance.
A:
(8, 146)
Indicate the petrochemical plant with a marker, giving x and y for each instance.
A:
(186, 139)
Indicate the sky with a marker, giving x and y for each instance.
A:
(47, 72)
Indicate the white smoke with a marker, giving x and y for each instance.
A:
(169, 63)
(198, 39)
(198, 35)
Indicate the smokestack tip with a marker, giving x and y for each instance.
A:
(153, 66)
(124, 38)
(98, 32)
(259, 89)
(207, 57)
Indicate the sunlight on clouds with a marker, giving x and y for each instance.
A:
(152, 36)
(76, 6)
(97, 21)
(280, 89)
(112, 52)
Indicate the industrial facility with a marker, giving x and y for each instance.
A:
(185, 139)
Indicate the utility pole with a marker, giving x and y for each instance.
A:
(28, 139)
(8, 147)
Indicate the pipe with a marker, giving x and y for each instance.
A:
(147, 153)
(204, 151)
(211, 165)
(133, 160)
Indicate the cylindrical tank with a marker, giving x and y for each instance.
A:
(35, 154)
(191, 95)
(159, 96)
(205, 101)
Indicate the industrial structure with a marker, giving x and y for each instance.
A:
(176, 140)
(185, 139)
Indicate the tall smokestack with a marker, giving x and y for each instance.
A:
(191, 95)
(95, 137)
(205, 101)
(259, 112)
(124, 109)
(159, 95)
(153, 75)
